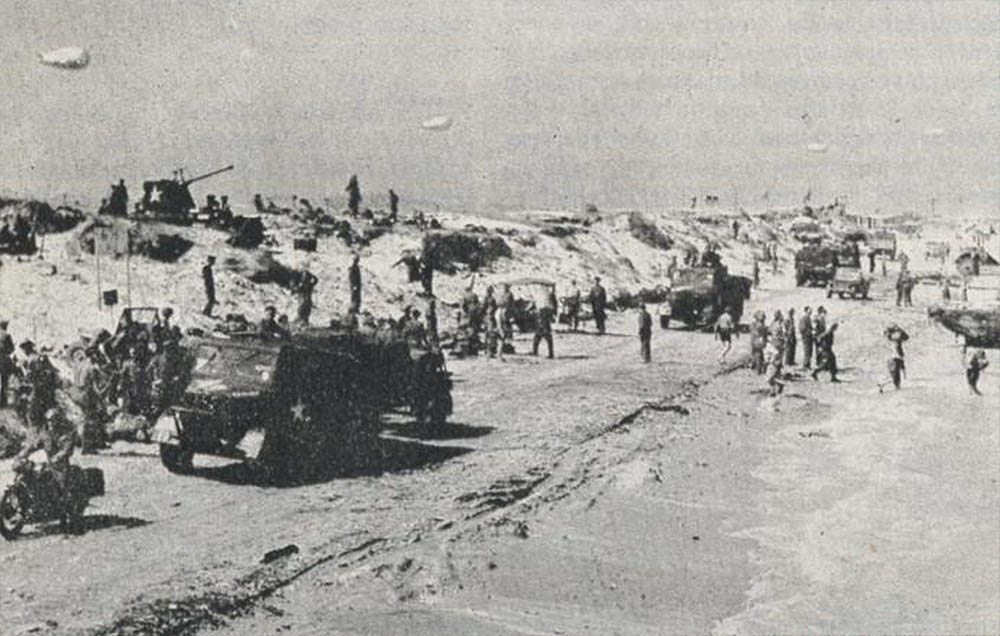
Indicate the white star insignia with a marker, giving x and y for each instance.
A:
(299, 411)
(154, 195)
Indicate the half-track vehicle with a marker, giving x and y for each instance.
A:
(849, 281)
(316, 396)
(700, 294)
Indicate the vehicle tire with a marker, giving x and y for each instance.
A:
(840, 295)
(176, 459)
(864, 295)
(439, 409)
(13, 511)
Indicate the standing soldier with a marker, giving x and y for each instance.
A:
(208, 276)
(543, 330)
(507, 304)
(489, 304)
(133, 379)
(790, 339)
(806, 332)
(645, 333)
(304, 290)
(671, 269)
(756, 272)
(826, 359)
(819, 327)
(777, 332)
(431, 320)
(393, 205)
(92, 404)
(353, 195)
(6, 361)
(354, 279)
(492, 324)
(599, 304)
(945, 290)
(427, 273)
(573, 305)
(758, 340)
(736, 229)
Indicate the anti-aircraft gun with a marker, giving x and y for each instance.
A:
(170, 199)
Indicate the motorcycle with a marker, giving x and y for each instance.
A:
(37, 497)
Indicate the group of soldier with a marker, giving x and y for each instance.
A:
(773, 347)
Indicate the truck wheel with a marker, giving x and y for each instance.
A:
(13, 511)
(440, 409)
(176, 459)
(864, 295)
(840, 295)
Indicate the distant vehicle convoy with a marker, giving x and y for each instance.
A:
(317, 396)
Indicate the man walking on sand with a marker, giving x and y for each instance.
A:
(599, 304)
(645, 333)
(354, 278)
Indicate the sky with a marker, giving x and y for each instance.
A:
(621, 104)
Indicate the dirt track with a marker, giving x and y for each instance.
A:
(556, 503)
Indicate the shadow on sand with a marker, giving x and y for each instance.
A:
(448, 430)
(386, 455)
(89, 523)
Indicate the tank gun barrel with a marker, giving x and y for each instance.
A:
(208, 174)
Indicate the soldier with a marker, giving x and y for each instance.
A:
(756, 272)
(393, 205)
(758, 340)
(806, 332)
(790, 339)
(427, 274)
(599, 304)
(500, 335)
(507, 303)
(736, 229)
(775, 375)
(430, 318)
(671, 269)
(777, 332)
(6, 361)
(162, 329)
(354, 279)
(269, 327)
(908, 283)
(543, 329)
(225, 215)
(552, 301)
(304, 290)
(133, 382)
(819, 327)
(945, 290)
(489, 304)
(896, 336)
(208, 276)
(353, 195)
(826, 359)
(724, 333)
(48, 429)
(973, 369)
(91, 400)
(574, 303)
(645, 333)
(492, 324)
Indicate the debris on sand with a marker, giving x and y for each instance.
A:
(647, 232)
(279, 553)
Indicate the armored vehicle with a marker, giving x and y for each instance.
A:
(700, 295)
(170, 199)
(316, 396)
(980, 326)
(848, 281)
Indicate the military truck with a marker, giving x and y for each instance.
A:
(170, 200)
(699, 295)
(316, 396)
(815, 264)
(884, 242)
(849, 281)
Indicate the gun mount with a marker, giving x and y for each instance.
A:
(170, 199)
